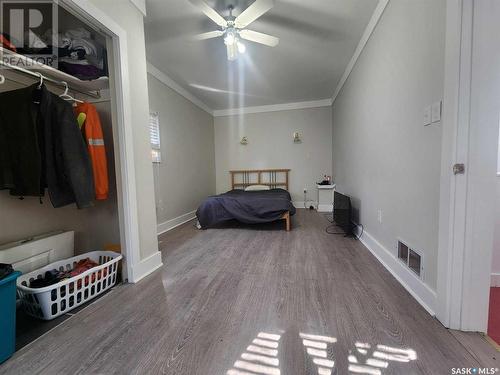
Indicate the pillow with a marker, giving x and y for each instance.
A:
(257, 187)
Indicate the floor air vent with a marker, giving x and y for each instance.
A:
(410, 257)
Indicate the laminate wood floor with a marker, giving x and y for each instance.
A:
(255, 300)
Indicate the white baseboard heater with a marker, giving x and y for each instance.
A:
(36, 252)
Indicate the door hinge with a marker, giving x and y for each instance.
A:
(458, 169)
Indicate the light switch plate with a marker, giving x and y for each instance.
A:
(436, 112)
(427, 115)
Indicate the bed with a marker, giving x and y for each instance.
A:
(250, 207)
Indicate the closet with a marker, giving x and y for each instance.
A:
(80, 75)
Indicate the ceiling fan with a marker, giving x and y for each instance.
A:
(233, 29)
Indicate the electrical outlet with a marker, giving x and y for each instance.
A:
(379, 216)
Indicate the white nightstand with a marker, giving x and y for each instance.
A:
(325, 197)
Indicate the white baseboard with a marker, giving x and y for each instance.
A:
(173, 223)
(299, 204)
(146, 267)
(411, 282)
(495, 279)
(325, 207)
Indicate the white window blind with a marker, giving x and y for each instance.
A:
(154, 136)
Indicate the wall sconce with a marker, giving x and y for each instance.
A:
(244, 141)
(296, 137)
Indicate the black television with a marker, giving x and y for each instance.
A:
(342, 212)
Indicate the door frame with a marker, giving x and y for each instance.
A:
(462, 288)
(122, 130)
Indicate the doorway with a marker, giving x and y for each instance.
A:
(115, 107)
(122, 127)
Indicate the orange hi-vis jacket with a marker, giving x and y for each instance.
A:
(89, 122)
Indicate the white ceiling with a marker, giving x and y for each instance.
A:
(317, 40)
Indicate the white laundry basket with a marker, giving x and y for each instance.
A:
(51, 301)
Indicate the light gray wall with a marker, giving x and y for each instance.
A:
(94, 227)
(125, 14)
(270, 145)
(186, 174)
(383, 156)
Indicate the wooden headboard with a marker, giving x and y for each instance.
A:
(240, 179)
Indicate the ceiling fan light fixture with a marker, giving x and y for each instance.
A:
(230, 38)
(241, 47)
(233, 29)
(232, 52)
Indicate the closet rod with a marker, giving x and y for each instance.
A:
(55, 82)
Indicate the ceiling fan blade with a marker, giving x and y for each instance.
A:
(209, 35)
(209, 12)
(254, 11)
(261, 38)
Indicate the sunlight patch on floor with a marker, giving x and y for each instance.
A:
(260, 357)
(371, 360)
(316, 347)
(265, 343)
(260, 350)
(327, 339)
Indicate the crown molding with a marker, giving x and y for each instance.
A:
(141, 5)
(273, 108)
(163, 78)
(377, 14)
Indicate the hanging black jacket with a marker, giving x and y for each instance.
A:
(41, 146)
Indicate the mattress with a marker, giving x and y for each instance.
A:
(249, 207)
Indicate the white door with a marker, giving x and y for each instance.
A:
(468, 224)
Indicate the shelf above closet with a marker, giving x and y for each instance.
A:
(74, 83)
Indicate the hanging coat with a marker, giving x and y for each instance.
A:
(41, 147)
(88, 119)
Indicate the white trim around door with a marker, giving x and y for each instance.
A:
(467, 206)
(453, 192)
(126, 181)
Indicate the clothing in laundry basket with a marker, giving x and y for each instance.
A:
(55, 276)
(82, 266)
(50, 278)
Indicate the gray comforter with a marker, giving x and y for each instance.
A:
(250, 207)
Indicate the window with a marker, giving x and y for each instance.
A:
(154, 137)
